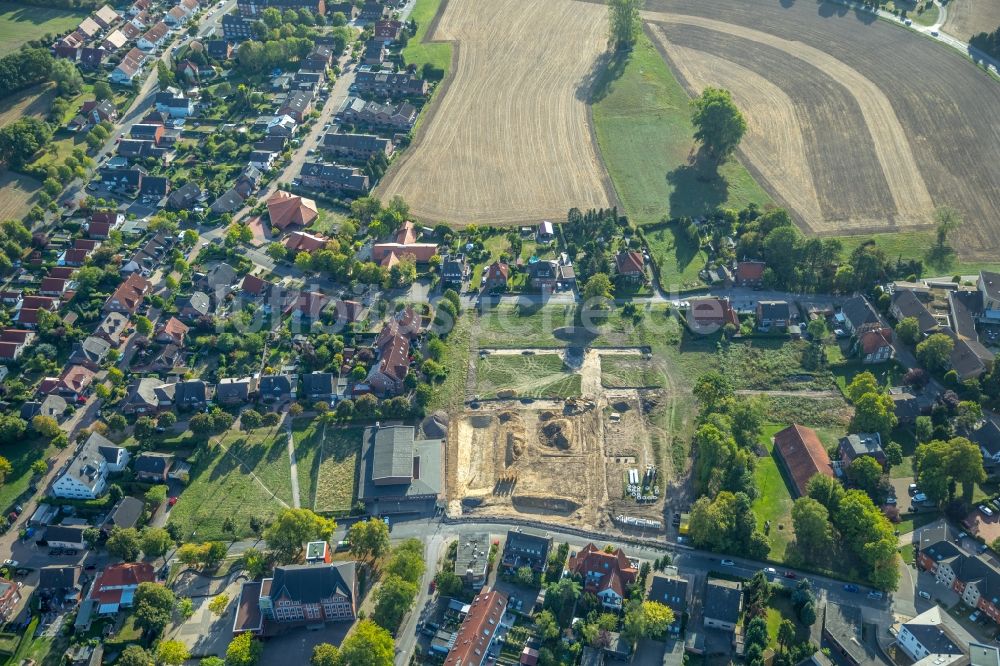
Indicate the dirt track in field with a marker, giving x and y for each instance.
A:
(509, 141)
(969, 17)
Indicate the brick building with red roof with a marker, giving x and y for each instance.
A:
(802, 455)
(606, 575)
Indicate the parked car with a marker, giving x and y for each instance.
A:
(919, 497)
(985, 510)
(728, 563)
(770, 571)
(875, 594)
(791, 574)
(851, 587)
(975, 616)
(924, 595)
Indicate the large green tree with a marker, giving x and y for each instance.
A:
(813, 532)
(368, 645)
(623, 17)
(719, 125)
(934, 353)
(294, 527)
(392, 599)
(369, 538)
(939, 465)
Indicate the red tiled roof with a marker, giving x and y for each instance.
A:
(40, 302)
(629, 263)
(875, 339)
(85, 244)
(615, 571)
(53, 284)
(76, 378)
(254, 285)
(286, 209)
(750, 271)
(61, 272)
(478, 628)
(803, 454)
(131, 292)
(126, 574)
(300, 241)
(175, 328)
(497, 271)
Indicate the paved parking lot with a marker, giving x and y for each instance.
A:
(296, 646)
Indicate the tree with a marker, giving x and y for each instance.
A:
(125, 543)
(874, 412)
(862, 384)
(623, 17)
(407, 561)
(46, 426)
(646, 619)
(368, 645)
(155, 541)
(154, 606)
(786, 634)
(826, 490)
(712, 388)
(894, 453)
(369, 538)
(294, 527)
(172, 652)
(924, 429)
(813, 533)
(865, 472)
(212, 661)
(934, 353)
(102, 90)
(908, 330)
(134, 655)
(11, 428)
(598, 287)
(817, 330)
(941, 255)
(219, 604)
(807, 615)
(39, 467)
(325, 654)
(939, 465)
(448, 583)
(143, 326)
(546, 626)
(524, 576)
(156, 495)
(718, 123)
(5, 469)
(243, 650)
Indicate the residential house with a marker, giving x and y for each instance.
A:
(277, 388)
(454, 268)
(345, 180)
(936, 635)
(987, 438)
(51, 405)
(262, 159)
(710, 314)
(749, 273)
(606, 575)
(525, 549)
(723, 604)
(496, 276)
(87, 474)
(298, 594)
(396, 117)
(115, 41)
(154, 188)
(219, 49)
(298, 105)
(306, 305)
(114, 588)
(148, 395)
(89, 27)
(989, 286)
(357, 147)
(248, 181)
(285, 209)
(124, 180)
(53, 286)
(235, 390)
(147, 132)
(175, 16)
(629, 267)
(969, 358)
(184, 197)
(191, 394)
(103, 223)
(254, 287)
(347, 312)
(219, 280)
(73, 257)
(398, 474)
(153, 467)
(472, 559)
(972, 577)
(543, 275)
(905, 303)
(129, 295)
(90, 352)
(375, 52)
(59, 582)
(875, 345)
(844, 631)
(388, 30)
(387, 84)
(97, 111)
(236, 28)
(66, 536)
(388, 253)
(140, 149)
(228, 202)
(803, 456)
(255, 8)
(300, 241)
(126, 513)
(477, 640)
(283, 125)
(671, 591)
(859, 316)
(128, 67)
(13, 342)
(173, 103)
(173, 330)
(74, 382)
(854, 446)
(386, 377)
(92, 57)
(373, 11)
(776, 314)
(319, 386)
(154, 37)
(195, 306)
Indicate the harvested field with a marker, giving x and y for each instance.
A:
(970, 17)
(337, 478)
(34, 101)
(17, 194)
(508, 140)
(913, 143)
(516, 375)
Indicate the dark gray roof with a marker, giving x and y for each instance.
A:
(90, 350)
(234, 388)
(317, 384)
(670, 591)
(936, 631)
(197, 301)
(859, 312)
(986, 438)
(184, 196)
(861, 444)
(228, 201)
(56, 577)
(535, 545)
(423, 469)
(67, 533)
(126, 513)
(154, 186)
(355, 141)
(393, 452)
(844, 624)
(990, 283)
(983, 655)
(775, 310)
(310, 583)
(275, 385)
(723, 600)
(908, 305)
(220, 275)
(345, 176)
(152, 463)
(190, 392)
(965, 306)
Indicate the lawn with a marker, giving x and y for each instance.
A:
(887, 374)
(516, 326)
(629, 372)
(21, 455)
(450, 394)
(20, 24)
(222, 487)
(679, 259)
(328, 222)
(337, 470)
(536, 376)
(417, 51)
(774, 503)
(927, 17)
(42, 651)
(642, 120)
(771, 364)
(911, 245)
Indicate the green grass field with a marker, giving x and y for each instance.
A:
(913, 245)
(21, 23)
(774, 502)
(221, 486)
(450, 394)
(535, 376)
(629, 372)
(679, 259)
(419, 53)
(771, 364)
(21, 454)
(642, 120)
(337, 473)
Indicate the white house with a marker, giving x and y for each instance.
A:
(935, 634)
(154, 37)
(173, 103)
(86, 477)
(66, 536)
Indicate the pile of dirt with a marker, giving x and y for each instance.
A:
(435, 426)
(481, 421)
(546, 415)
(578, 406)
(515, 448)
(558, 433)
(503, 417)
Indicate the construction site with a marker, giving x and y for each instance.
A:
(585, 460)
